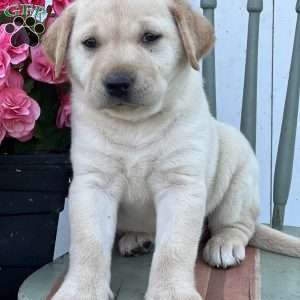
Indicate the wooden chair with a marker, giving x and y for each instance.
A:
(263, 275)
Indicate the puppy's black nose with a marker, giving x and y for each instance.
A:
(118, 84)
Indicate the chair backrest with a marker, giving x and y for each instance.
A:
(286, 148)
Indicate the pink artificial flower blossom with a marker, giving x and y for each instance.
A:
(19, 113)
(4, 66)
(41, 69)
(8, 76)
(64, 112)
(5, 3)
(17, 54)
(4, 38)
(14, 80)
(34, 2)
(60, 5)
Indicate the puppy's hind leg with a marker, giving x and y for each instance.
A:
(135, 243)
(232, 223)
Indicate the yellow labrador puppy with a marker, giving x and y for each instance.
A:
(148, 157)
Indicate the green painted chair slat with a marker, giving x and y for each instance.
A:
(286, 148)
(209, 70)
(248, 119)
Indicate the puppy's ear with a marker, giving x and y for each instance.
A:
(55, 41)
(197, 34)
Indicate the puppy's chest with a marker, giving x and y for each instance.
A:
(137, 189)
(136, 211)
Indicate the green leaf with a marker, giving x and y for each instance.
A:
(3, 18)
(29, 85)
(50, 138)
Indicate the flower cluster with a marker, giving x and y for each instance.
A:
(19, 112)
(5, 3)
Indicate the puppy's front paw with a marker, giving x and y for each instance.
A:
(173, 294)
(134, 244)
(77, 292)
(222, 253)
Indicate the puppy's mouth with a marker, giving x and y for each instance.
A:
(120, 104)
(123, 103)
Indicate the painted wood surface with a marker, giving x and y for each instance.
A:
(284, 25)
(209, 63)
(249, 107)
(130, 278)
(231, 25)
(286, 147)
(280, 275)
(275, 277)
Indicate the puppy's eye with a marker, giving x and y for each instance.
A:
(150, 37)
(90, 43)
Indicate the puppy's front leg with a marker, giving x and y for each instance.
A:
(180, 214)
(93, 215)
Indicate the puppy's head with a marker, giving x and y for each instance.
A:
(124, 54)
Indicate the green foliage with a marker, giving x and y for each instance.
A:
(50, 138)
(3, 19)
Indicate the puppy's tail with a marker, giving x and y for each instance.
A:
(275, 241)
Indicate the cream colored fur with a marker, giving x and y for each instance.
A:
(159, 165)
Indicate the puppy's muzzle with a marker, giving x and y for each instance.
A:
(119, 85)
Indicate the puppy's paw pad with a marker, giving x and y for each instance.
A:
(134, 244)
(223, 254)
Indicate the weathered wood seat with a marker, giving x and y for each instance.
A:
(263, 275)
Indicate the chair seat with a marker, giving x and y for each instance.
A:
(263, 275)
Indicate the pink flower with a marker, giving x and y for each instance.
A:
(60, 5)
(17, 54)
(5, 3)
(34, 2)
(64, 112)
(8, 76)
(4, 38)
(4, 66)
(18, 113)
(14, 80)
(41, 69)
